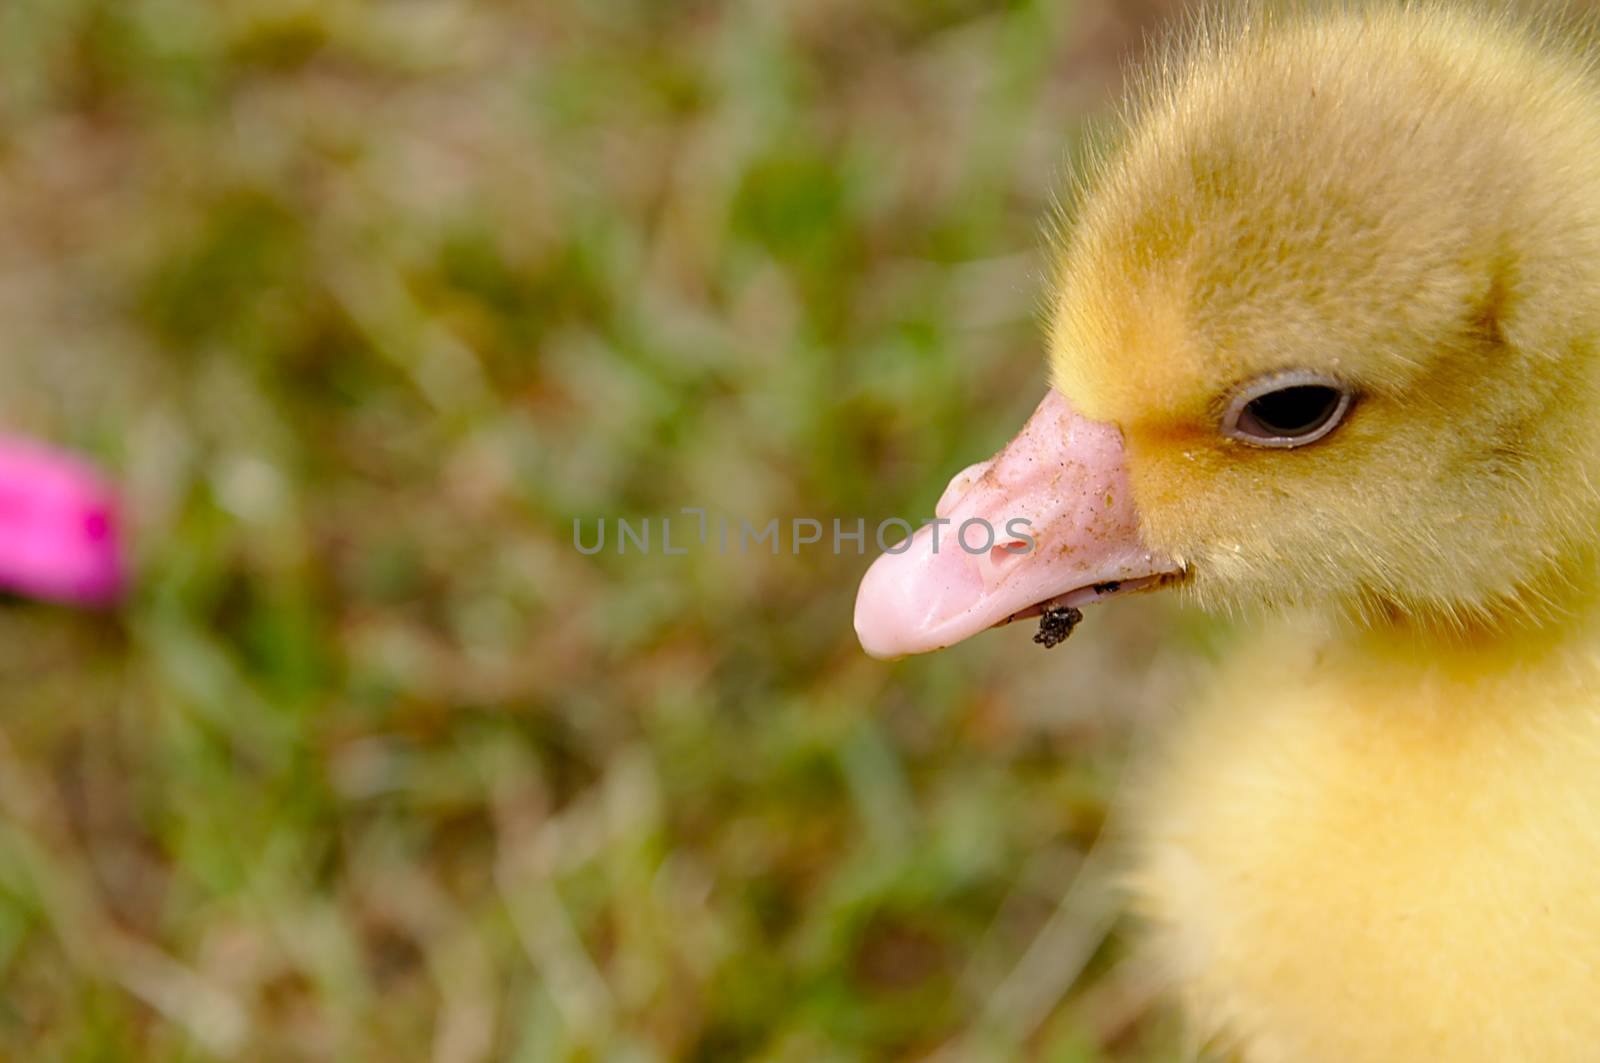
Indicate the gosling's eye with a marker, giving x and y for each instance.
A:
(1287, 410)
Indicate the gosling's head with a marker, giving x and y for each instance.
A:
(1324, 332)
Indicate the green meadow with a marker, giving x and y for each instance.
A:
(365, 304)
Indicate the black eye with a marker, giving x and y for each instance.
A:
(1287, 410)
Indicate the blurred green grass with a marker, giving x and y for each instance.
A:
(366, 303)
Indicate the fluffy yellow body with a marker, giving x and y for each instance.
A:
(1355, 850)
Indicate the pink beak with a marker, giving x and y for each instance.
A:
(58, 527)
(1049, 521)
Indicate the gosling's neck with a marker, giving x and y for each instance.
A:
(1542, 623)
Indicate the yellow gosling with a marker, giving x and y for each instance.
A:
(1326, 351)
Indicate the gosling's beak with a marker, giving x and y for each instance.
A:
(58, 527)
(1064, 532)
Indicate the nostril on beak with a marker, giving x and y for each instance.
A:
(1006, 554)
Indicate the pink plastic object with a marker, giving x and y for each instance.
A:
(59, 537)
